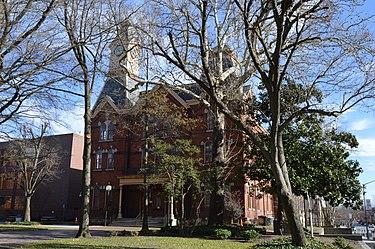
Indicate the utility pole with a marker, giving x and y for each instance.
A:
(364, 205)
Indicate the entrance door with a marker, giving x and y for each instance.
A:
(133, 198)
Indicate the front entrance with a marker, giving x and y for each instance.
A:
(133, 201)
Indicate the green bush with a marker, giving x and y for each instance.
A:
(129, 233)
(250, 234)
(342, 244)
(25, 223)
(205, 230)
(236, 230)
(286, 243)
(122, 233)
(113, 233)
(154, 232)
(222, 233)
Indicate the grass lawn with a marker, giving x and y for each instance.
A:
(15, 227)
(138, 242)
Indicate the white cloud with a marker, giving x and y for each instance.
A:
(366, 147)
(361, 125)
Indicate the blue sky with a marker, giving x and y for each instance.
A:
(362, 124)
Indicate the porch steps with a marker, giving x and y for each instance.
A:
(137, 222)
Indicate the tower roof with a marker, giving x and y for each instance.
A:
(115, 89)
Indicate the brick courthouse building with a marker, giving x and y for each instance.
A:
(118, 146)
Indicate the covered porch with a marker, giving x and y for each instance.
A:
(130, 204)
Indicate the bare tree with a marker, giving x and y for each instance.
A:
(30, 48)
(84, 26)
(31, 161)
(91, 27)
(308, 41)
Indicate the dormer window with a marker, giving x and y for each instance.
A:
(107, 130)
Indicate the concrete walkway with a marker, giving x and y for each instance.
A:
(13, 239)
(369, 243)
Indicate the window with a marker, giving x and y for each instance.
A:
(165, 129)
(6, 183)
(156, 130)
(208, 152)
(107, 130)
(8, 202)
(103, 131)
(111, 130)
(99, 160)
(111, 159)
(19, 203)
(227, 63)
(210, 120)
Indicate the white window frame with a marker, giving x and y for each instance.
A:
(99, 160)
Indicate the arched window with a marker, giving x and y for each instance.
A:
(103, 131)
(111, 159)
(208, 152)
(210, 119)
(107, 130)
(111, 131)
(99, 160)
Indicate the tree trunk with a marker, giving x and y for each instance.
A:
(280, 169)
(278, 223)
(216, 211)
(145, 228)
(86, 177)
(295, 225)
(27, 216)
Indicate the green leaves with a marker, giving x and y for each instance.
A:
(177, 161)
(317, 155)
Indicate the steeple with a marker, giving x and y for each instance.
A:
(124, 52)
(123, 67)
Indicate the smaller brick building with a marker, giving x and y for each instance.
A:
(58, 199)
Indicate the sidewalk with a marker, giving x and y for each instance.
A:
(12, 239)
(368, 244)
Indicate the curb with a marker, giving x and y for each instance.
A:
(363, 245)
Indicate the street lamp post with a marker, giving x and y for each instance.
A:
(108, 189)
(364, 205)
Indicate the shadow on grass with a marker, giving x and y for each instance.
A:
(65, 246)
(272, 245)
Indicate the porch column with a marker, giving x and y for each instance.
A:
(171, 220)
(119, 215)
